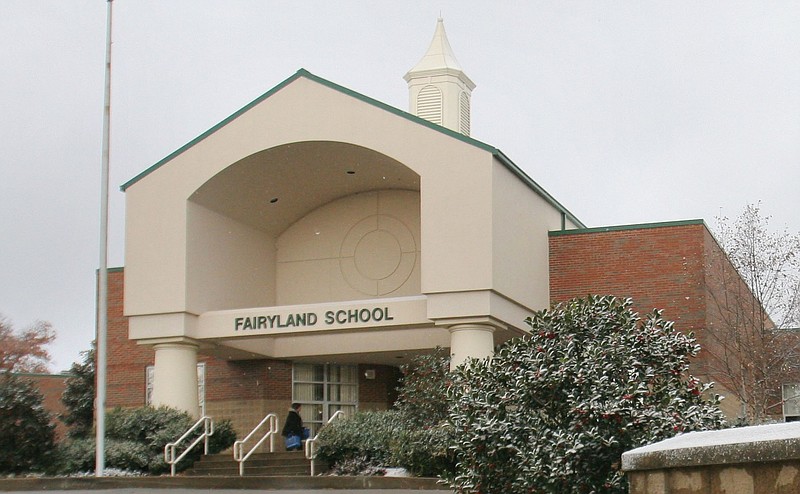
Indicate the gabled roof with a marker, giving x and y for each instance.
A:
(371, 101)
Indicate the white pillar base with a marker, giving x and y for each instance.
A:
(175, 377)
(470, 341)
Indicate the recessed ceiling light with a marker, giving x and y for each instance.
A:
(351, 172)
(273, 200)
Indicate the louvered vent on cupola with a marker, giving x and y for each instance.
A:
(464, 107)
(429, 104)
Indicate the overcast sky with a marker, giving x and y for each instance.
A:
(626, 112)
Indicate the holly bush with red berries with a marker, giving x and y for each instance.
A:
(555, 410)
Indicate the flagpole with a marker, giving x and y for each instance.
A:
(102, 291)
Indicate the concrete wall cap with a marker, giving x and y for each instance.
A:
(773, 442)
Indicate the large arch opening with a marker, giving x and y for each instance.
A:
(305, 222)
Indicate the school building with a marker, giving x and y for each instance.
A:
(311, 243)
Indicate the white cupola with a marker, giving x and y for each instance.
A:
(439, 91)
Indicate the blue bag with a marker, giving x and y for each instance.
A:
(293, 442)
(306, 433)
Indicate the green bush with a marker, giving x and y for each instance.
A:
(223, 438)
(78, 456)
(75, 456)
(554, 411)
(422, 396)
(365, 437)
(422, 445)
(78, 397)
(26, 432)
(135, 440)
(424, 452)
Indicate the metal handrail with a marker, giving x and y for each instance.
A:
(238, 446)
(311, 444)
(169, 449)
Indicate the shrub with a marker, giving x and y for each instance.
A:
(553, 411)
(75, 456)
(360, 465)
(223, 438)
(135, 440)
(26, 433)
(365, 437)
(422, 397)
(78, 397)
(422, 444)
(424, 452)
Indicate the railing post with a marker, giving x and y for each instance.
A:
(311, 443)
(238, 446)
(169, 449)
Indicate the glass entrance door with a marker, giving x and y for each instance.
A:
(323, 389)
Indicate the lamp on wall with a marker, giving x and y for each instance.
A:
(369, 374)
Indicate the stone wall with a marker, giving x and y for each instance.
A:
(748, 460)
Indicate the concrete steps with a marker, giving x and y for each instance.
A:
(282, 464)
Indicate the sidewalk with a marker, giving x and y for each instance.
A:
(225, 485)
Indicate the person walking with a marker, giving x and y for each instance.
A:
(293, 432)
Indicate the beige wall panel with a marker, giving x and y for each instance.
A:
(319, 235)
(457, 223)
(155, 257)
(158, 326)
(521, 220)
(229, 265)
(305, 282)
(360, 247)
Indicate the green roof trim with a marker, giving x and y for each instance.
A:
(379, 104)
(619, 228)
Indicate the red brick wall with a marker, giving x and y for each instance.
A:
(127, 361)
(658, 266)
(381, 389)
(247, 379)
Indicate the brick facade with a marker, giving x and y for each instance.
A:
(658, 267)
(126, 361)
(677, 267)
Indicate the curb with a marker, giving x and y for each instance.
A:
(211, 483)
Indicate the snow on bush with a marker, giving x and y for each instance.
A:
(554, 411)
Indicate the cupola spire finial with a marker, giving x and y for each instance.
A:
(439, 90)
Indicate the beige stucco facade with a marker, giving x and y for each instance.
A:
(320, 225)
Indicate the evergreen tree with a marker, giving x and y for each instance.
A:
(26, 433)
(555, 410)
(78, 396)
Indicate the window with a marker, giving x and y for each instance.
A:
(323, 389)
(791, 402)
(201, 386)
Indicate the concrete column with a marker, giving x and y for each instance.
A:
(175, 377)
(470, 341)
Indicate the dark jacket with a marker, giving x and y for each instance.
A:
(293, 425)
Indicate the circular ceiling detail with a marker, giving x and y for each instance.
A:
(377, 255)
